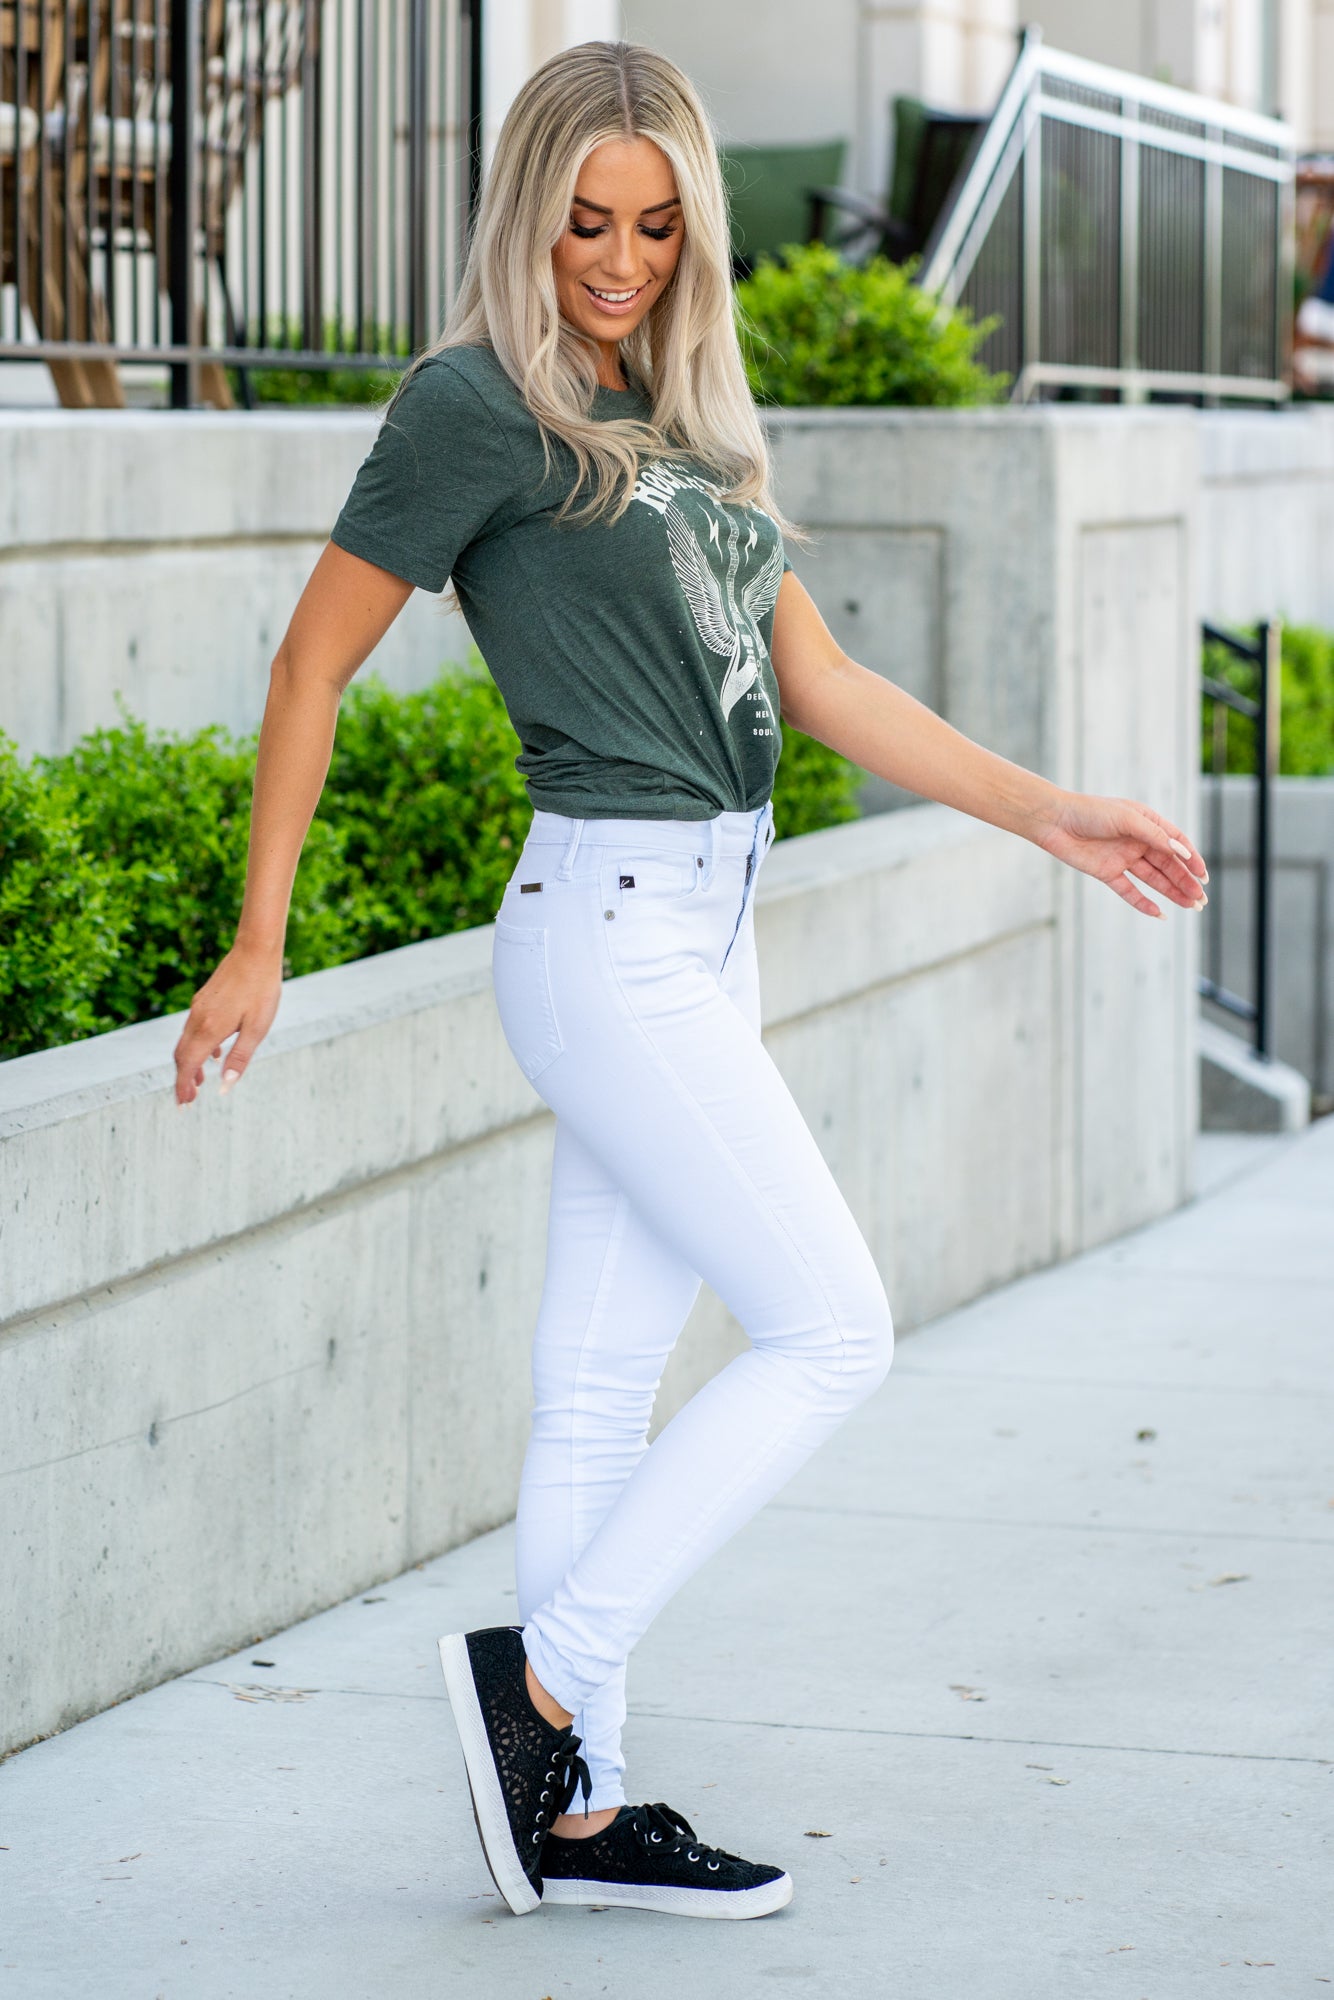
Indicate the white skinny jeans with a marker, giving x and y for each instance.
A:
(628, 991)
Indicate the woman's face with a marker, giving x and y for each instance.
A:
(621, 244)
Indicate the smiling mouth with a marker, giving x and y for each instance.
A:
(615, 301)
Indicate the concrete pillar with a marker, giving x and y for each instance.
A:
(520, 34)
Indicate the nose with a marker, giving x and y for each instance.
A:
(620, 257)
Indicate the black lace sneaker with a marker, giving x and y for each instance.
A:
(649, 1859)
(522, 1769)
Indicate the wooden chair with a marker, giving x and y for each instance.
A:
(33, 76)
(117, 166)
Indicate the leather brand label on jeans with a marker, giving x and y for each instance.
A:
(627, 881)
(527, 888)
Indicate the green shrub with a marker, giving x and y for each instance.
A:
(813, 787)
(1306, 713)
(64, 916)
(428, 805)
(359, 386)
(818, 330)
(364, 388)
(122, 863)
(170, 816)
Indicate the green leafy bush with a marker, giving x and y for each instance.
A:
(360, 386)
(64, 916)
(813, 787)
(818, 330)
(428, 805)
(122, 863)
(1306, 714)
(170, 817)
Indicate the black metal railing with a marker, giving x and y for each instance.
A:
(1262, 711)
(247, 182)
(1135, 240)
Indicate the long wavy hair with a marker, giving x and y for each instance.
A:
(685, 350)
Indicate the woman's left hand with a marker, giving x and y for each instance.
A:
(1110, 838)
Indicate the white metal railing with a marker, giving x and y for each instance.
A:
(1132, 237)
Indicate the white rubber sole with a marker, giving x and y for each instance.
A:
(677, 1902)
(488, 1801)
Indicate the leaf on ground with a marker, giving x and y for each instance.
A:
(967, 1693)
(1058, 1781)
(817, 1833)
(257, 1691)
(1234, 1576)
(1257, 1961)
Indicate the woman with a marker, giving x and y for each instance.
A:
(580, 454)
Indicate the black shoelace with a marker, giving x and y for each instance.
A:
(653, 1825)
(568, 1773)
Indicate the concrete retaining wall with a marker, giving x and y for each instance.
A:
(162, 555)
(255, 1357)
(260, 1354)
(1267, 514)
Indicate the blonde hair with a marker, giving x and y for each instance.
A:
(685, 350)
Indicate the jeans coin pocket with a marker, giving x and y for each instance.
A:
(630, 878)
(522, 984)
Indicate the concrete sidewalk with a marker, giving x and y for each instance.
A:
(1033, 1649)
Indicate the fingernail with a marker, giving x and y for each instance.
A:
(1200, 905)
(229, 1077)
(182, 1103)
(1177, 847)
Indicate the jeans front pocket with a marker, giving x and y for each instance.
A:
(636, 875)
(522, 986)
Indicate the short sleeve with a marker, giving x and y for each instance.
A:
(438, 472)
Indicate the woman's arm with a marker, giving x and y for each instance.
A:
(885, 730)
(345, 609)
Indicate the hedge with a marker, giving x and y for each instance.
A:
(817, 330)
(122, 862)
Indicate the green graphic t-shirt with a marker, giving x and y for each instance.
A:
(633, 658)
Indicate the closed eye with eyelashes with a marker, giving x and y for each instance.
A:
(586, 229)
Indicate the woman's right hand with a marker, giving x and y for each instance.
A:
(239, 998)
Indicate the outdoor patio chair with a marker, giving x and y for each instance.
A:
(773, 191)
(110, 179)
(930, 148)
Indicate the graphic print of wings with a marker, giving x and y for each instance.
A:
(760, 594)
(699, 586)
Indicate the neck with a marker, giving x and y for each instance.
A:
(611, 375)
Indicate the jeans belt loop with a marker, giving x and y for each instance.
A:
(571, 849)
(712, 861)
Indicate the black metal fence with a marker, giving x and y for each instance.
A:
(253, 182)
(1262, 712)
(1135, 239)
